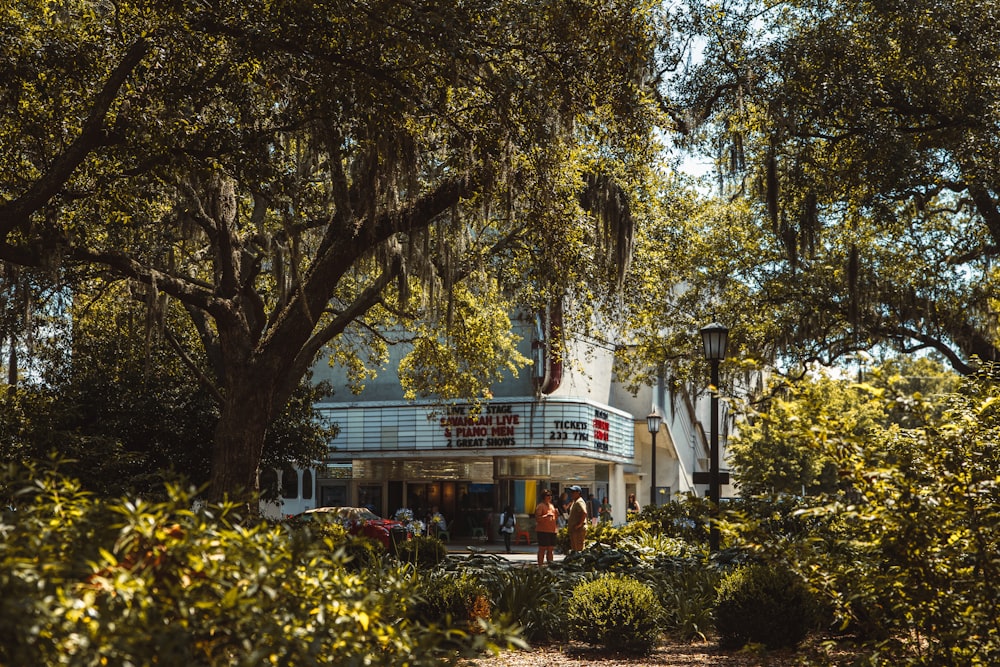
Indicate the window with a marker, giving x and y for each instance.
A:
(269, 482)
(307, 485)
(289, 482)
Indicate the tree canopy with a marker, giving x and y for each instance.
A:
(792, 440)
(863, 139)
(123, 412)
(298, 175)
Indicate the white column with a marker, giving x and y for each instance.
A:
(616, 492)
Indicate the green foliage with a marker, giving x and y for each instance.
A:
(784, 445)
(450, 598)
(562, 540)
(86, 581)
(533, 597)
(783, 448)
(871, 182)
(362, 554)
(358, 553)
(615, 612)
(450, 362)
(933, 496)
(125, 414)
(683, 581)
(903, 554)
(233, 164)
(915, 389)
(643, 538)
(423, 551)
(687, 596)
(762, 603)
(602, 558)
(332, 533)
(686, 519)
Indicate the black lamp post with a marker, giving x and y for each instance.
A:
(653, 421)
(714, 337)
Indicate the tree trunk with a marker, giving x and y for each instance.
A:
(239, 439)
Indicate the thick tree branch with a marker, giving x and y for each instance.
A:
(371, 296)
(186, 291)
(902, 333)
(987, 208)
(92, 135)
(193, 367)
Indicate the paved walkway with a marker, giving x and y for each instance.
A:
(520, 553)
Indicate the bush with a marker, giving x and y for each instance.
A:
(611, 535)
(422, 551)
(686, 519)
(615, 612)
(533, 597)
(687, 592)
(362, 554)
(601, 558)
(449, 598)
(359, 553)
(762, 604)
(86, 582)
(562, 540)
(654, 548)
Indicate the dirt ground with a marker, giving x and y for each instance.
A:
(668, 654)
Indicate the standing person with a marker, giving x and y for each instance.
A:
(577, 520)
(606, 511)
(633, 504)
(507, 524)
(563, 507)
(594, 507)
(545, 527)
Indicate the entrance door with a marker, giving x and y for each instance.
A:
(333, 495)
(370, 496)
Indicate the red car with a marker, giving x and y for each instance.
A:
(361, 521)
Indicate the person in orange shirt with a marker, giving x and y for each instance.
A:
(545, 527)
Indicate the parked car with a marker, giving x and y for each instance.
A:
(361, 521)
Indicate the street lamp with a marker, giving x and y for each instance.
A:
(653, 421)
(714, 337)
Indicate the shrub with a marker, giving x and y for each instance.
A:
(533, 597)
(686, 519)
(763, 604)
(86, 582)
(362, 554)
(686, 591)
(604, 532)
(450, 598)
(615, 612)
(611, 535)
(562, 540)
(602, 558)
(422, 551)
(655, 548)
(359, 553)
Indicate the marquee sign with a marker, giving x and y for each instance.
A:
(496, 428)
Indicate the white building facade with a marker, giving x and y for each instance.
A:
(553, 426)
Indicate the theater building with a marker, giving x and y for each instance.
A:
(552, 426)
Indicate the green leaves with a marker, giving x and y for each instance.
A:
(864, 138)
(465, 357)
(904, 547)
(290, 173)
(85, 581)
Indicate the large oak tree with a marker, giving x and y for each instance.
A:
(863, 138)
(310, 174)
